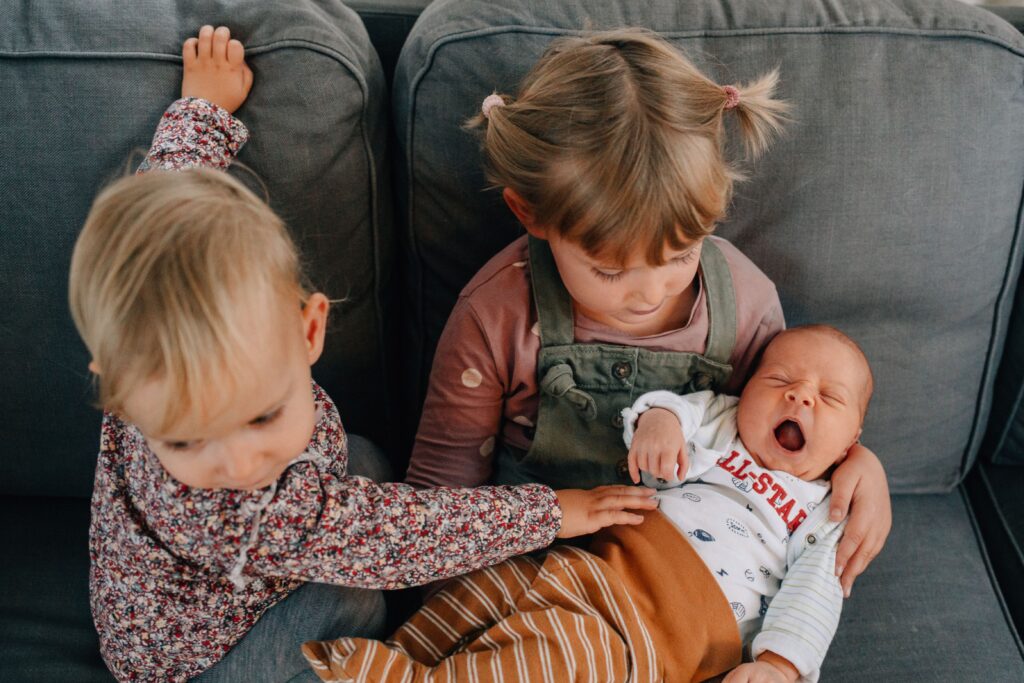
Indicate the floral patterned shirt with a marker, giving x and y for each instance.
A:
(180, 574)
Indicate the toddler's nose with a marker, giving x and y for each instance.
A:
(239, 464)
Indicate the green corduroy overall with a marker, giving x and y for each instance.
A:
(583, 387)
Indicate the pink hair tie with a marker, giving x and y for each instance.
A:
(732, 96)
(490, 102)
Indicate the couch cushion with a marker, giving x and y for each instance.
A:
(46, 630)
(84, 85)
(890, 209)
(928, 608)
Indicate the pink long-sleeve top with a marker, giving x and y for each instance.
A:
(180, 574)
(483, 385)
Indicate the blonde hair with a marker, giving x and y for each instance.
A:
(616, 142)
(162, 267)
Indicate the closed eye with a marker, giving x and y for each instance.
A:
(181, 445)
(267, 418)
(607, 276)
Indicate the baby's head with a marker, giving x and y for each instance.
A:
(613, 151)
(187, 291)
(803, 408)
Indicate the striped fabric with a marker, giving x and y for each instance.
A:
(566, 615)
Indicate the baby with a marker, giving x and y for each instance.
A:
(752, 499)
(642, 604)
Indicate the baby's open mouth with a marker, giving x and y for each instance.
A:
(789, 435)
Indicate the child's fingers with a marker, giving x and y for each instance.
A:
(634, 471)
(842, 492)
(221, 37)
(204, 49)
(855, 568)
(236, 52)
(188, 51)
(613, 517)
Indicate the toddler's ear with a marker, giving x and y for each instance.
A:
(94, 368)
(524, 212)
(314, 324)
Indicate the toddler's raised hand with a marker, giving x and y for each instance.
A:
(215, 68)
(584, 512)
(658, 446)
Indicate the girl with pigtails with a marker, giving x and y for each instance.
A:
(613, 158)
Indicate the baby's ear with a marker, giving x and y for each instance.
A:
(94, 368)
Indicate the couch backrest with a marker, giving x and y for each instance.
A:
(891, 209)
(84, 85)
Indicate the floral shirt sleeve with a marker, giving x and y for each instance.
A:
(194, 132)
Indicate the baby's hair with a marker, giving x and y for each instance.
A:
(163, 268)
(616, 142)
(840, 336)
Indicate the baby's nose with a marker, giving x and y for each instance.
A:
(801, 395)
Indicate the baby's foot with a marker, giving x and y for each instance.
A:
(215, 68)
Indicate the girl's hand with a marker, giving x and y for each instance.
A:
(215, 68)
(859, 487)
(658, 446)
(584, 512)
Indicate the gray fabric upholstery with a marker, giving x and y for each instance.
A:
(46, 630)
(890, 209)
(927, 609)
(83, 86)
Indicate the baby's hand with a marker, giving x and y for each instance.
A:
(757, 672)
(215, 68)
(658, 446)
(584, 512)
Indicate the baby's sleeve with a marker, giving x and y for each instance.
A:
(802, 618)
(195, 132)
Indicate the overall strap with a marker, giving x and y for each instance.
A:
(721, 302)
(550, 298)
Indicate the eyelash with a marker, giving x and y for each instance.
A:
(612, 277)
(264, 420)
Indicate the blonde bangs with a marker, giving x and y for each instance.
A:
(166, 271)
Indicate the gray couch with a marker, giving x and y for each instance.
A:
(892, 208)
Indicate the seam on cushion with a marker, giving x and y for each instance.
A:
(360, 80)
(988, 569)
(971, 34)
(1005, 299)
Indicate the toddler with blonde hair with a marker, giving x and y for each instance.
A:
(225, 521)
(614, 157)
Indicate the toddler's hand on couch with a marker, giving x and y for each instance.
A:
(584, 512)
(215, 68)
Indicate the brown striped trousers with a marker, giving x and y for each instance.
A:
(640, 606)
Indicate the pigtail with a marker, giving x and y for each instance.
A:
(760, 115)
